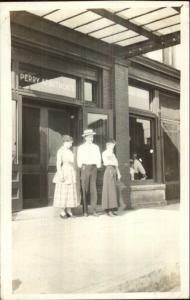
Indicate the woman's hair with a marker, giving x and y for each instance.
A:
(110, 141)
(67, 138)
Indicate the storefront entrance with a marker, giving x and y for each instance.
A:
(42, 130)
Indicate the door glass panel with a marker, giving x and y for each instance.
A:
(31, 135)
(99, 123)
(58, 126)
(141, 147)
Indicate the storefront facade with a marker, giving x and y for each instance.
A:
(64, 82)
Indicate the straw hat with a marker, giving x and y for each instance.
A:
(88, 132)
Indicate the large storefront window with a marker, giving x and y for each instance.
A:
(37, 79)
(141, 148)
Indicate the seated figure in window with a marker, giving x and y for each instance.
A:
(137, 170)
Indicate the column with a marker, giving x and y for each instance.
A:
(121, 122)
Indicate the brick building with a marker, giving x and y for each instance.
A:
(113, 71)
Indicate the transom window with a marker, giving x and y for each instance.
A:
(37, 79)
(90, 93)
(139, 98)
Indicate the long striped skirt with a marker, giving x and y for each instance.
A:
(109, 190)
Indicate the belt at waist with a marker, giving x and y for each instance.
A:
(93, 165)
(110, 166)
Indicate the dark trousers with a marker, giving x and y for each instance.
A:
(88, 184)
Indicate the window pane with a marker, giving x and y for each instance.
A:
(58, 122)
(99, 123)
(138, 98)
(14, 132)
(32, 78)
(88, 93)
(141, 148)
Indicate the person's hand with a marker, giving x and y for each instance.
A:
(119, 176)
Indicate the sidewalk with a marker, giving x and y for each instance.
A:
(136, 251)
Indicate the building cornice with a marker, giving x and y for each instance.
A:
(155, 66)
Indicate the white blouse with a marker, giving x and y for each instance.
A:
(109, 158)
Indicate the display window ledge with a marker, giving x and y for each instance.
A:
(148, 187)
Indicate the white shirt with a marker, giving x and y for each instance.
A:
(88, 154)
(138, 167)
(109, 158)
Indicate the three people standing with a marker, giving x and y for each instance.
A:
(88, 161)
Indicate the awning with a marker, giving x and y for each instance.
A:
(131, 31)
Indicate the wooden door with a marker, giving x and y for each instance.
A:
(33, 163)
(42, 130)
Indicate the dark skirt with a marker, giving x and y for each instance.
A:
(109, 190)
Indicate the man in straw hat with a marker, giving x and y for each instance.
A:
(88, 160)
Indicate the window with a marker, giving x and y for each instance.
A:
(37, 79)
(139, 98)
(90, 91)
(141, 147)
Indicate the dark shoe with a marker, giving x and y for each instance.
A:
(114, 213)
(110, 214)
(70, 215)
(63, 217)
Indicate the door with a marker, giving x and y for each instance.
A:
(101, 121)
(42, 130)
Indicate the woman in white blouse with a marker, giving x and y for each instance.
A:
(111, 175)
(65, 195)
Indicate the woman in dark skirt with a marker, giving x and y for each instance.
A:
(111, 175)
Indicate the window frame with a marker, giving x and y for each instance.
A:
(147, 115)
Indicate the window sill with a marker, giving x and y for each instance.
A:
(148, 186)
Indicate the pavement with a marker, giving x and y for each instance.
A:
(135, 251)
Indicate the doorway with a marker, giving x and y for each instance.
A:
(42, 128)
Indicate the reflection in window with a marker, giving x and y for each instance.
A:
(138, 98)
(99, 123)
(14, 132)
(89, 91)
(46, 81)
(141, 148)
